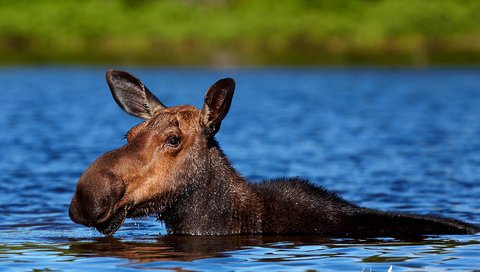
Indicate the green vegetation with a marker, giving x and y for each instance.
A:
(240, 32)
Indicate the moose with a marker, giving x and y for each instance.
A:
(173, 167)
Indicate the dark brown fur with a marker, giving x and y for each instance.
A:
(173, 167)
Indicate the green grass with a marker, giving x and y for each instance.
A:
(242, 32)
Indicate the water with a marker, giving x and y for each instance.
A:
(403, 140)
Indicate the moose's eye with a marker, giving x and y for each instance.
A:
(173, 141)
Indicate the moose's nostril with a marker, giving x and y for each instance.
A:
(102, 210)
(101, 214)
(89, 207)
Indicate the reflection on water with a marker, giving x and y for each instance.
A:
(181, 248)
(405, 140)
(294, 253)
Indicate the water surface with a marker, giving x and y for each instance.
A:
(402, 140)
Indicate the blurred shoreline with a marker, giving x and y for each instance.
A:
(221, 33)
(258, 59)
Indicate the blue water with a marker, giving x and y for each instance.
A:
(403, 140)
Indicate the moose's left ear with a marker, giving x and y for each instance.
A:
(217, 103)
(131, 95)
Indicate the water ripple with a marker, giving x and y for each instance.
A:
(405, 140)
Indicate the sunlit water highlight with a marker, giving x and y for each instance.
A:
(403, 140)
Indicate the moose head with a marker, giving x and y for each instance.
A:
(163, 157)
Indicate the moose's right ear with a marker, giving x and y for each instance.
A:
(216, 105)
(131, 95)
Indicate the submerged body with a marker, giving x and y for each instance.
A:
(305, 208)
(290, 206)
(173, 167)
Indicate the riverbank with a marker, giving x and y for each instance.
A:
(240, 33)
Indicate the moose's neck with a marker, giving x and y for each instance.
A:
(219, 203)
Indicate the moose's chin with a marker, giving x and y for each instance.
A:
(111, 226)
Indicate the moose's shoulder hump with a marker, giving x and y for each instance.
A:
(295, 187)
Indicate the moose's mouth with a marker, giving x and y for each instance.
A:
(154, 206)
(114, 223)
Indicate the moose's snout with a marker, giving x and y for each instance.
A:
(95, 199)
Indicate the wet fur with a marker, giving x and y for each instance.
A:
(224, 203)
